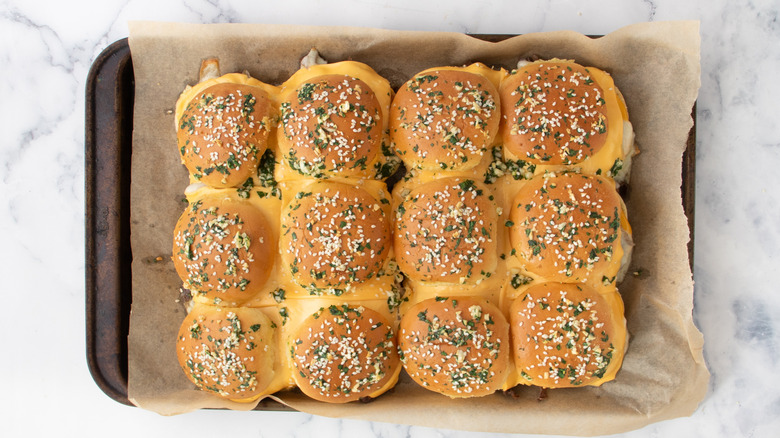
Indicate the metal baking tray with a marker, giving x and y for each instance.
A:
(108, 147)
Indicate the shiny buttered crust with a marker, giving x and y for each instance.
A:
(567, 335)
(458, 347)
(223, 131)
(334, 235)
(227, 351)
(445, 232)
(344, 353)
(558, 112)
(444, 119)
(567, 227)
(331, 124)
(223, 249)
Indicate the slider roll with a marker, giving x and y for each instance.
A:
(458, 347)
(334, 121)
(223, 249)
(558, 114)
(222, 128)
(334, 236)
(445, 232)
(229, 352)
(567, 335)
(570, 228)
(344, 353)
(445, 119)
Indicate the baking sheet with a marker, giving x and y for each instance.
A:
(656, 66)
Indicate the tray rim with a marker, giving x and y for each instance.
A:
(107, 371)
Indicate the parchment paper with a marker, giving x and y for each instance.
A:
(655, 65)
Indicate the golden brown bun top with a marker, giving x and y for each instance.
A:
(567, 227)
(223, 249)
(343, 353)
(567, 335)
(223, 132)
(553, 113)
(458, 347)
(331, 124)
(334, 235)
(227, 351)
(445, 231)
(444, 119)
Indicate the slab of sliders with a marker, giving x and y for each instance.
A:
(568, 144)
(509, 234)
(288, 254)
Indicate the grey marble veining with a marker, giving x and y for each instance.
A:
(737, 216)
(47, 47)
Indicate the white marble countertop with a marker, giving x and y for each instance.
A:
(47, 47)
